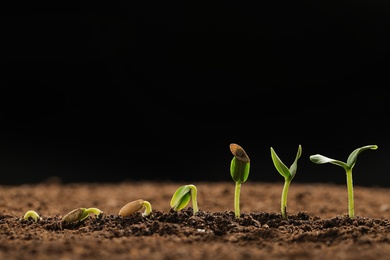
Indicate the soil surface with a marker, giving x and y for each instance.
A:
(317, 227)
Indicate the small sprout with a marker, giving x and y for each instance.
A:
(31, 214)
(80, 214)
(182, 196)
(348, 166)
(239, 170)
(134, 206)
(288, 174)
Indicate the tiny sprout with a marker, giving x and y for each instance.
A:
(80, 214)
(134, 206)
(31, 214)
(288, 174)
(348, 166)
(182, 196)
(239, 170)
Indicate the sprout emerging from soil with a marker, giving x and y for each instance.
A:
(239, 170)
(31, 214)
(348, 166)
(80, 214)
(288, 174)
(182, 196)
(134, 206)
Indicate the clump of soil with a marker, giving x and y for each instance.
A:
(317, 226)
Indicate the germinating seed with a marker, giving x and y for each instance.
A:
(31, 214)
(73, 216)
(131, 207)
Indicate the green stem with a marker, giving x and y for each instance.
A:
(351, 204)
(194, 193)
(283, 200)
(237, 192)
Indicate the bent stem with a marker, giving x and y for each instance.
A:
(148, 208)
(88, 211)
(194, 193)
(31, 214)
(283, 201)
(237, 192)
(351, 203)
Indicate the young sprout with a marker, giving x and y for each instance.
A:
(288, 174)
(239, 170)
(80, 214)
(31, 214)
(182, 196)
(348, 166)
(134, 206)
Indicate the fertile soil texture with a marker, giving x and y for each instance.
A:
(318, 225)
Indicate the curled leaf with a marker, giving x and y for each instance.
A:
(352, 158)
(181, 198)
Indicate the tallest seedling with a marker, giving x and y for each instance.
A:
(239, 170)
(348, 166)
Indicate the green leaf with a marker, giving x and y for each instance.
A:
(294, 166)
(183, 202)
(239, 170)
(320, 159)
(279, 165)
(181, 198)
(240, 164)
(353, 156)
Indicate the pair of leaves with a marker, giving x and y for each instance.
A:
(351, 161)
(287, 173)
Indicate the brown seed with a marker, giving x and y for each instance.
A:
(73, 216)
(131, 207)
(239, 152)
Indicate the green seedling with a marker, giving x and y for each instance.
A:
(81, 214)
(288, 174)
(134, 206)
(348, 166)
(31, 214)
(239, 170)
(182, 196)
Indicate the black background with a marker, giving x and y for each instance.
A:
(160, 91)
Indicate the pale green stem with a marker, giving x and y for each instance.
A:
(148, 208)
(283, 200)
(31, 214)
(95, 211)
(237, 192)
(351, 204)
(87, 211)
(194, 198)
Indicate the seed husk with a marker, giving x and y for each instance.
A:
(131, 207)
(74, 215)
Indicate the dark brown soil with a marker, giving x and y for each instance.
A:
(317, 227)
